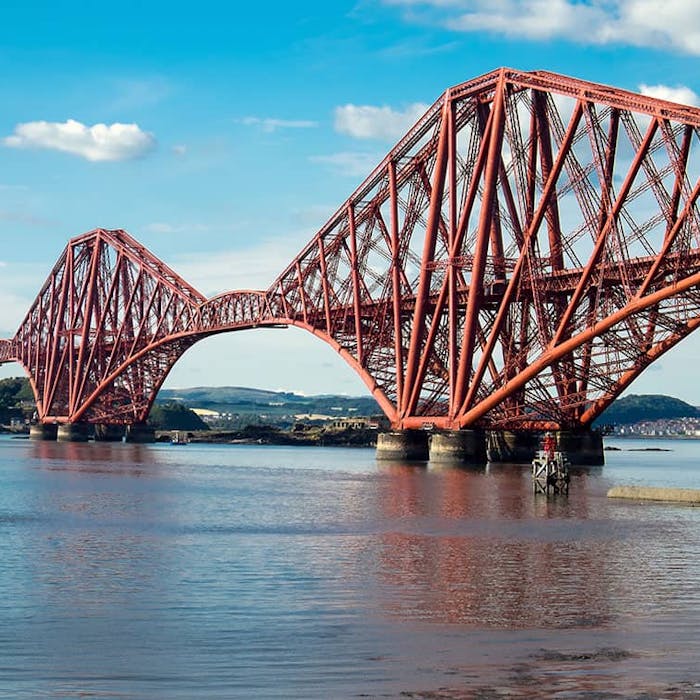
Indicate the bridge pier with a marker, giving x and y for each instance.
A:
(73, 432)
(582, 447)
(106, 432)
(511, 446)
(140, 433)
(403, 446)
(43, 431)
(458, 447)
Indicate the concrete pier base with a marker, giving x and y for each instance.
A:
(582, 447)
(105, 432)
(43, 431)
(511, 446)
(403, 446)
(140, 432)
(73, 432)
(458, 447)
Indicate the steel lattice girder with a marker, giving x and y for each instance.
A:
(519, 257)
(509, 261)
(106, 301)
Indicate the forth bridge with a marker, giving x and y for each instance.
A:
(521, 255)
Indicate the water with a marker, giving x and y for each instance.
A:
(205, 571)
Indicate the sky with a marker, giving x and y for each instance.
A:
(223, 135)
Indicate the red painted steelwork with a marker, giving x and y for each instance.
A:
(516, 260)
(85, 340)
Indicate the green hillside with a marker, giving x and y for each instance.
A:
(15, 390)
(246, 401)
(281, 406)
(640, 407)
(15, 393)
(173, 415)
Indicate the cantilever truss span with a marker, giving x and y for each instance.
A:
(104, 331)
(516, 260)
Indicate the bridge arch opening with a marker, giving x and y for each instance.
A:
(276, 359)
(12, 369)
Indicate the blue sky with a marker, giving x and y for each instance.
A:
(232, 131)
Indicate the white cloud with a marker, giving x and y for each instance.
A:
(19, 285)
(534, 19)
(12, 310)
(140, 92)
(179, 149)
(250, 268)
(314, 215)
(100, 142)
(164, 227)
(416, 49)
(268, 125)
(369, 122)
(673, 24)
(680, 94)
(22, 217)
(161, 227)
(350, 163)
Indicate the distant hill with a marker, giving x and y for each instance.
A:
(15, 390)
(640, 407)
(173, 415)
(276, 404)
(15, 393)
(244, 400)
(247, 401)
(272, 405)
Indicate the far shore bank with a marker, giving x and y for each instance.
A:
(354, 437)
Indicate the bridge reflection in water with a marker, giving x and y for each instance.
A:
(320, 572)
(474, 547)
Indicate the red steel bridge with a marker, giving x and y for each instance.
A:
(527, 249)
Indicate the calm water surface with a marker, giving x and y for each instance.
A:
(207, 571)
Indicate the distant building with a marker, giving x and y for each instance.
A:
(353, 424)
(664, 427)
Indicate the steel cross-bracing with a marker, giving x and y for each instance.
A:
(107, 326)
(527, 249)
